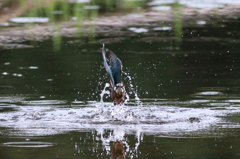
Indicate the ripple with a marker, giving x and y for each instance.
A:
(233, 101)
(44, 102)
(78, 102)
(200, 101)
(202, 22)
(28, 144)
(219, 104)
(207, 93)
(15, 46)
(33, 67)
(162, 28)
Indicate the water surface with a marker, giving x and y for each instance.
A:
(183, 94)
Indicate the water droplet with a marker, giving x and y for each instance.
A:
(5, 73)
(201, 22)
(7, 63)
(33, 67)
(162, 28)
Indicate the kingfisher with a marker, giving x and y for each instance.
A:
(117, 151)
(115, 73)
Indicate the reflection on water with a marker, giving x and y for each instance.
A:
(118, 151)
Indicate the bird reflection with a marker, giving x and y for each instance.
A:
(117, 151)
(115, 74)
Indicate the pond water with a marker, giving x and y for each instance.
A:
(184, 93)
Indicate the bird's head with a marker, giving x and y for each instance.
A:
(120, 92)
(119, 89)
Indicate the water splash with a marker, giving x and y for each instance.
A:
(131, 86)
(107, 111)
(104, 91)
(127, 99)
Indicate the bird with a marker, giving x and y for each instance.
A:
(117, 151)
(115, 73)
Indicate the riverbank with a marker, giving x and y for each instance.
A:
(121, 24)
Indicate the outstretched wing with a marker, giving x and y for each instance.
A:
(108, 69)
(116, 67)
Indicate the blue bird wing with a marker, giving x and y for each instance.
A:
(108, 69)
(116, 67)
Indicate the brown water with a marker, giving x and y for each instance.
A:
(183, 95)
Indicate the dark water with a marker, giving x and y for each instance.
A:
(184, 95)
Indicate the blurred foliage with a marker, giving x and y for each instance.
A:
(82, 9)
(77, 10)
(88, 10)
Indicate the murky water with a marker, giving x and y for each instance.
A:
(183, 96)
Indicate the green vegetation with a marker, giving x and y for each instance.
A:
(81, 11)
(178, 23)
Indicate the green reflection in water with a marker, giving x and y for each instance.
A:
(57, 40)
(66, 10)
(79, 11)
(178, 23)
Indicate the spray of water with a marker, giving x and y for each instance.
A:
(123, 112)
(131, 88)
(104, 91)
